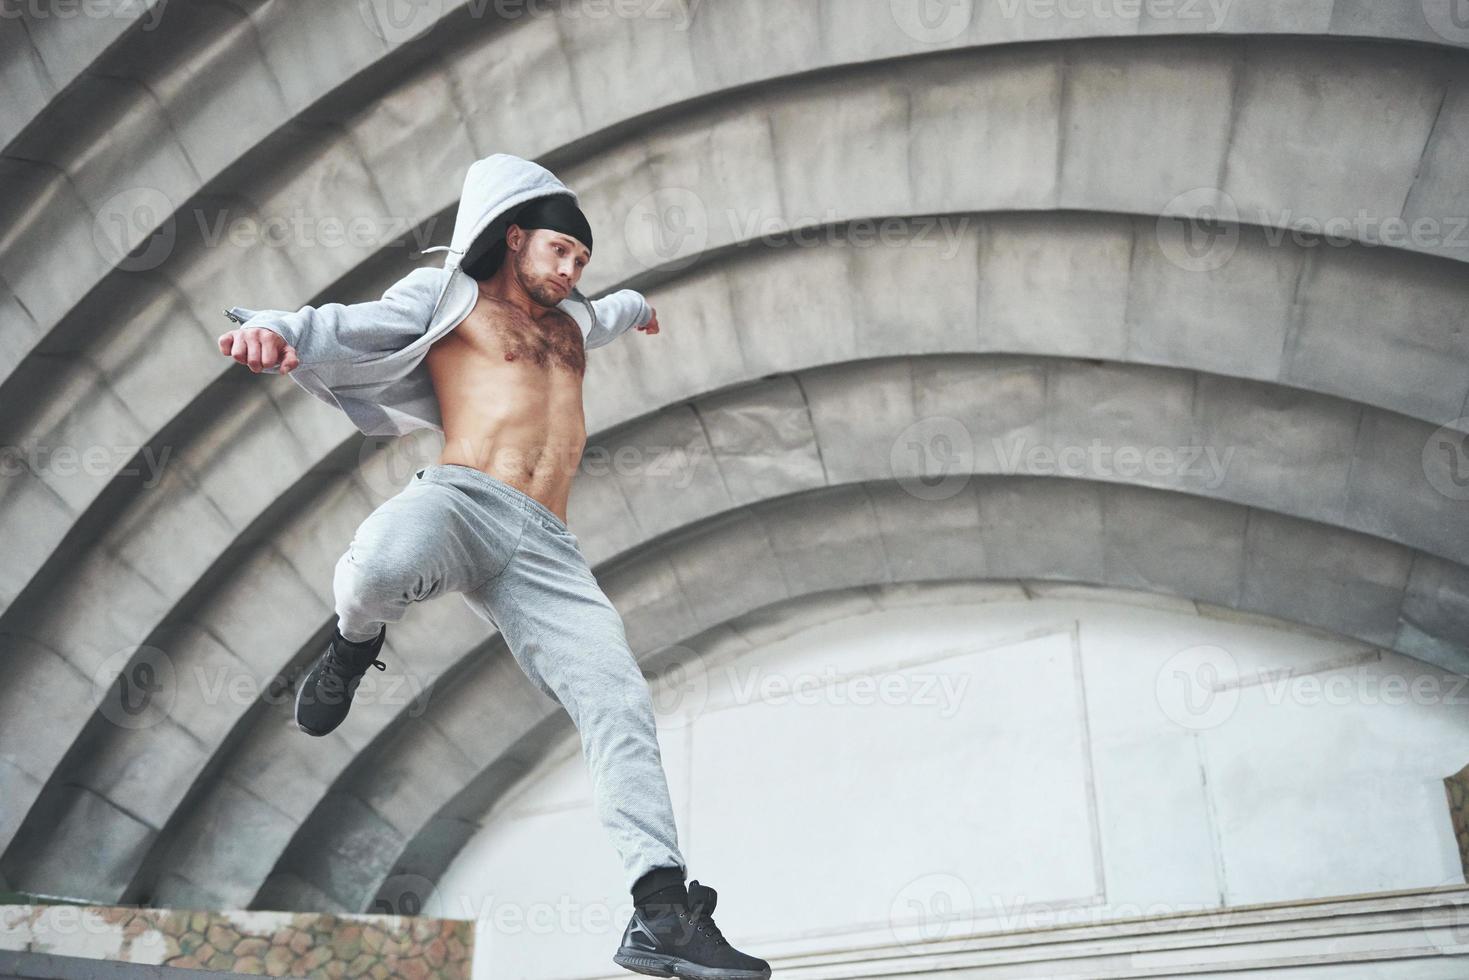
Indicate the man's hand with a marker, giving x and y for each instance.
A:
(258, 348)
(651, 326)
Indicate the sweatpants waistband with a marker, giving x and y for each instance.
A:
(458, 474)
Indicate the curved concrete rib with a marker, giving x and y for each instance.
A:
(410, 190)
(1156, 311)
(53, 54)
(837, 537)
(1023, 403)
(1123, 88)
(886, 324)
(1075, 285)
(221, 542)
(40, 58)
(48, 51)
(211, 96)
(1101, 96)
(208, 88)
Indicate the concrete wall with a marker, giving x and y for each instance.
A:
(1080, 300)
(898, 771)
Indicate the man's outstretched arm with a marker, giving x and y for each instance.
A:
(619, 312)
(279, 340)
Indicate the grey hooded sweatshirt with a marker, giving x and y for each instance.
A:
(367, 358)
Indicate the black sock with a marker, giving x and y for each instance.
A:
(661, 886)
(673, 895)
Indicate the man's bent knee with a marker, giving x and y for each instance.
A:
(370, 583)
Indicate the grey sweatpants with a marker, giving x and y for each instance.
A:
(456, 529)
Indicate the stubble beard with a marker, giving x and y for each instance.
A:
(543, 291)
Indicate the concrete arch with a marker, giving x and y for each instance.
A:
(44, 57)
(228, 526)
(1083, 232)
(413, 799)
(1015, 272)
(168, 70)
(128, 402)
(1051, 402)
(46, 65)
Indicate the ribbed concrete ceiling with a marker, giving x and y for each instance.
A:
(1030, 295)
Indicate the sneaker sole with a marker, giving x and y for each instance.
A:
(660, 965)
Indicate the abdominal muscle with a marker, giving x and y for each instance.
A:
(509, 387)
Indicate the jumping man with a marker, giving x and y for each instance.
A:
(491, 351)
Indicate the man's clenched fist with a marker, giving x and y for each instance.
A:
(257, 348)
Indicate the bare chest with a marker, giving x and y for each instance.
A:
(507, 334)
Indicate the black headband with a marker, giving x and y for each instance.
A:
(557, 212)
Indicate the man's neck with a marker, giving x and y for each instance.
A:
(505, 288)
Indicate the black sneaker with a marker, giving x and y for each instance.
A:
(669, 940)
(325, 695)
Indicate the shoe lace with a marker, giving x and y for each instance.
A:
(703, 920)
(335, 671)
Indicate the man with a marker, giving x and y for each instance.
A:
(491, 351)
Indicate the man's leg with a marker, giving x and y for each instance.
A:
(431, 538)
(428, 540)
(569, 639)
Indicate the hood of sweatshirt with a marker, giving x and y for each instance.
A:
(494, 188)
